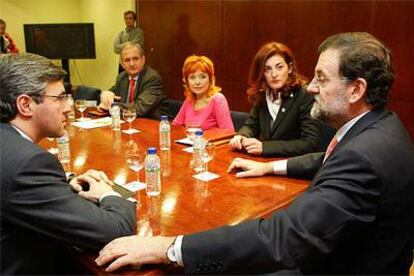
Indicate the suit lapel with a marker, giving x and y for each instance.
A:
(124, 88)
(138, 85)
(284, 108)
(362, 124)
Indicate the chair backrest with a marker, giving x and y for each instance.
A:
(238, 118)
(87, 93)
(173, 107)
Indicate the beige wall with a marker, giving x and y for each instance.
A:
(107, 16)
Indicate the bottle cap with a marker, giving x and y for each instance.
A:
(152, 150)
(199, 132)
(164, 117)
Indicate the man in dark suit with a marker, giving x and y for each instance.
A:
(138, 84)
(40, 211)
(357, 215)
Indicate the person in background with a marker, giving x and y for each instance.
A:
(41, 213)
(7, 45)
(356, 218)
(139, 85)
(279, 123)
(204, 105)
(131, 33)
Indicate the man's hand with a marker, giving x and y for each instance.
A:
(236, 142)
(250, 168)
(134, 250)
(97, 182)
(253, 146)
(107, 99)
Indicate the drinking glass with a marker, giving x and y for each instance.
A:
(191, 129)
(135, 161)
(129, 115)
(207, 155)
(81, 105)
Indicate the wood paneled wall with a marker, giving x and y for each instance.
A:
(230, 32)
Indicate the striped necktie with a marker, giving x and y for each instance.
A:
(330, 148)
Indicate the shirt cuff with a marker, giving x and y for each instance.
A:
(177, 249)
(109, 193)
(280, 167)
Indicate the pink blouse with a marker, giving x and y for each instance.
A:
(215, 115)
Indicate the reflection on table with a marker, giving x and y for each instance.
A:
(186, 205)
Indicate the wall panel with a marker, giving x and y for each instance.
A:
(230, 32)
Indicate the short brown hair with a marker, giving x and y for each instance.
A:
(364, 56)
(131, 12)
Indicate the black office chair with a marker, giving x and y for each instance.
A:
(173, 107)
(87, 93)
(238, 118)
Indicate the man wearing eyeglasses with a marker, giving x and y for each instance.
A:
(40, 211)
(357, 215)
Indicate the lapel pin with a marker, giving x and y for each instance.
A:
(283, 109)
(291, 95)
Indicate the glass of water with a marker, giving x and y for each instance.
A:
(208, 154)
(81, 105)
(135, 161)
(129, 114)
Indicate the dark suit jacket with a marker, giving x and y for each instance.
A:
(356, 217)
(293, 132)
(40, 212)
(150, 99)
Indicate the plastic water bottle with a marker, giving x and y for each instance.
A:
(71, 114)
(152, 173)
(63, 148)
(116, 117)
(198, 148)
(165, 133)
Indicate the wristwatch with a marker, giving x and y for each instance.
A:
(171, 255)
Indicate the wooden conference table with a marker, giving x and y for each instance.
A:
(186, 205)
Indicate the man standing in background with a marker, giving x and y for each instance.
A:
(131, 33)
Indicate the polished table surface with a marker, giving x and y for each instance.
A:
(185, 205)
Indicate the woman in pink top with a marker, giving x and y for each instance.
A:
(204, 105)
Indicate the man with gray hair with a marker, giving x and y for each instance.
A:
(357, 215)
(139, 85)
(40, 211)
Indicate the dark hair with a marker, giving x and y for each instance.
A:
(26, 74)
(2, 22)
(364, 56)
(256, 79)
(131, 12)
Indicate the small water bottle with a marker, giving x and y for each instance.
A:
(63, 148)
(115, 112)
(198, 148)
(165, 133)
(71, 114)
(152, 173)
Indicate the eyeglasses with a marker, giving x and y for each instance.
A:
(61, 98)
(323, 81)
